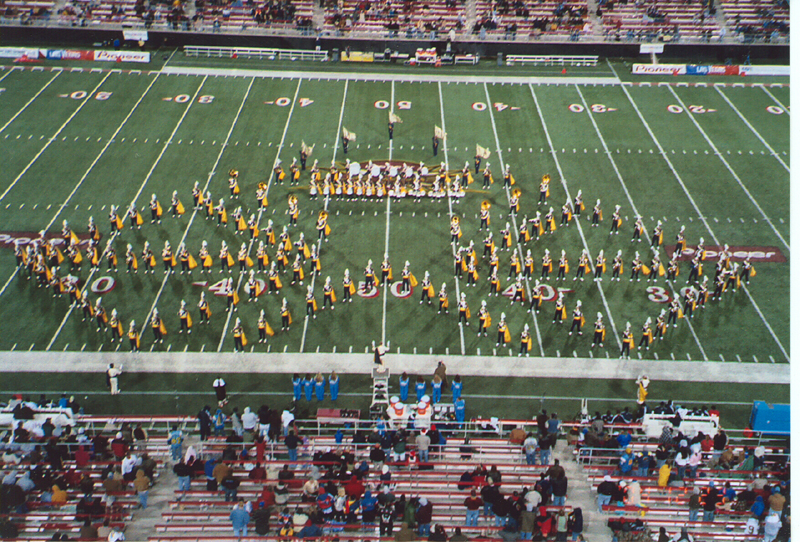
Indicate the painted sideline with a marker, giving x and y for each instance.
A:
(386, 77)
(210, 362)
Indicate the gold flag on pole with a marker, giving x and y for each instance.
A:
(482, 152)
(348, 135)
(306, 149)
(439, 133)
(394, 118)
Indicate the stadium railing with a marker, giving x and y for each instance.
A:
(553, 60)
(270, 54)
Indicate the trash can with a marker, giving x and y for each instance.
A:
(500, 58)
(335, 54)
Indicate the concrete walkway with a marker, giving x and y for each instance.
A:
(582, 368)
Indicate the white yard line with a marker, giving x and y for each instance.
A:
(24, 107)
(114, 235)
(450, 214)
(630, 200)
(386, 245)
(727, 165)
(699, 213)
(269, 185)
(577, 222)
(774, 99)
(89, 96)
(771, 150)
(327, 200)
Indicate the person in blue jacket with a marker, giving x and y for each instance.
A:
(333, 384)
(404, 382)
(319, 386)
(461, 410)
(297, 386)
(436, 385)
(421, 388)
(457, 386)
(308, 386)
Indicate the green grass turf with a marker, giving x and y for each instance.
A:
(506, 397)
(140, 163)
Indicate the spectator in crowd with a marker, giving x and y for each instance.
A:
(530, 445)
(142, 485)
(604, 492)
(710, 503)
(694, 504)
(239, 520)
(473, 503)
(423, 517)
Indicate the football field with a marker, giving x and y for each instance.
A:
(712, 158)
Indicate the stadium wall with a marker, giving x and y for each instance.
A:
(27, 35)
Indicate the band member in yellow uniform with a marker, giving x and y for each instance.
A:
(205, 309)
(115, 220)
(155, 210)
(599, 266)
(484, 318)
(135, 217)
(294, 210)
(488, 245)
(261, 195)
(547, 265)
(92, 254)
(463, 310)
(513, 202)
(458, 262)
(159, 330)
(279, 173)
(285, 240)
(544, 189)
(536, 224)
(239, 338)
(233, 184)
(672, 267)
(519, 292)
(197, 195)
(661, 326)
(242, 258)
(328, 294)
(550, 221)
(636, 267)
(599, 331)
(506, 233)
(176, 205)
(370, 280)
(209, 203)
(638, 230)
(524, 234)
(86, 306)
(527, 268)
(111, 256)
(427, 289)
(689, 303)
(168, 258)
(444, 302)
(747, 271)
(503, 335)
(561, 310)
(702, 294)
(232, 296)
(262, 257)
(286, 316)
(455, 229)
(583, 265)
(616, 221)
(253, 288)
(577, 319)
(116, 326)
(130, 259)
(647, 335)
(525, 342)
(222, 214)
(302, 247)
(627, 342)
(206, 261)
(298, 275)
(579, 206)
(597, 215)
(323, 228)
(566, 213)
(274, 279)
(484, 215)
(680, 241)
(616, 266)
(184, 257)
(348, 287)
(563, 266)
(185, 318)
(658, 235)
(316, 264)
(656, 268)
(133, 337)
(487, 176)
(264, 329)
(515, 267)
(148, 259)
(494, 283)
(536, 298)
(225, 258)
(240, 225)
(472, 272)
(311, 303)
(70, 237)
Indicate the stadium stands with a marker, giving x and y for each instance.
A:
(754, 20)
(658, 22)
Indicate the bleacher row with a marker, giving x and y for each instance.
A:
(744, 20)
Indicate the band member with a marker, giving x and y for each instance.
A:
(503, 335)
(348, 287)
(159, 330)
(484, 318)
(487, 177)
(168, 258)
(239, 337)
(583, 265)
(328, 294)
(661, 326)
(205, 258)
(599, 331)
(155, 210)
(264, 328)
(148, 259)
(133, 337)
(176, 205)
(658, 235)
(647, 335)
(444, 303)
(185, 318)
(638, 230)
(636, 267)
(616, 221)
(627, 342)
(561, 310)
(597, 215)
(205, 309)
(286, 316)
(536, 298)
(311, 303)
(577, 319)
(616, 266)
(463, 309)
(579, 206)
(547, 265)
(599, 266)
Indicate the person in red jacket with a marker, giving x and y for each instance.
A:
(354, 488)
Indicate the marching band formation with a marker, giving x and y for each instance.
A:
(281, 256)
